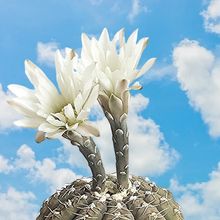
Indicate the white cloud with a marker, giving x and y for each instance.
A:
(200, 201)
(46, 52)
(44, 171)
(149, 153)
(212, 16)
(136, 9)
(159, 72)
(198, 73)
(25, 158)
(7, 114)
(5, 166)
(17, 205)
(56, 178)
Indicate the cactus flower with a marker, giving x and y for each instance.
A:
(54, 111)
(116, 61)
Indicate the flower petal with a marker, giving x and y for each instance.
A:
(141, 45)
(104, 81)
(22, 106)
(88, 128)
(56, 134)
(72, 127)
(37, 76)
(104, 39)
(21, 91)
(29, 122)
(86, 45)
(64, 74)
(119, 36)
(60, 116)
(78, 102)
(91, 98)
(131, 43)
(69, 112)
(46, 92)
(136, 86)
(146, 67)
(47, 127)
(54, 121)
(83, 115)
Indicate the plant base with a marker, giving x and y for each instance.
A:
(143, 200)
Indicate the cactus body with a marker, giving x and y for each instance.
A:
(143, 200)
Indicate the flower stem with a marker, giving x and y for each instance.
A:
(91, 153)
(120, 137)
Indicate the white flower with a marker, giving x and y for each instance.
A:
(51, 111)
(116, 65)
(115, 59)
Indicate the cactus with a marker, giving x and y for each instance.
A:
(142, 200)
(91, 153)
(65, 113)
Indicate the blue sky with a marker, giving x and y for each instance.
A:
(178, 118)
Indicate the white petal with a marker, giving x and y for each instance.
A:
(104, 39)
(146, 67)
(58, 65)
(78, 103)
(69, 112)
(21, 91)
(117, 75)
(141, 45)
(88, 73)
(87, 128)
(29, 122)
(60, 116)
(70, 54)
(82, 115)
(64, 74)
(94, 50)
(112, 60)
(91, 98)
(53, 135)
(54, 121)
(133, 37)
(136, 86)
(73, 127)
(58, 61)
(86, 51)
(42, 113)
(47, 127)
(104, 81)
(22, 107)
(45, 89)
(119, 36)
(131, 43)
(37, 76)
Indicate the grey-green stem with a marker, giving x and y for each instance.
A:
(120, 137)
(91, 153)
